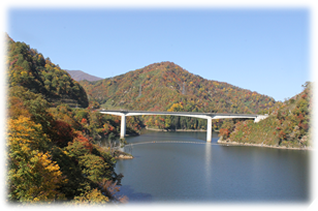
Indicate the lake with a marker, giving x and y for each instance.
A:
(171, 171)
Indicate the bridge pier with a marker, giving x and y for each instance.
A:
(209, 130)
(123, 127)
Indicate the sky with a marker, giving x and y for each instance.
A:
(266, 50)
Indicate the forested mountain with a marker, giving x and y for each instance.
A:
(53, 150)
(29, 69)
(166, 86)
(287, 125)
(79, 75)
(158, 86)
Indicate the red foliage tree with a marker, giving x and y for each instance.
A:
(88, 145)
(64, 133)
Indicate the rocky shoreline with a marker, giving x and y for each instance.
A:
(122, 155)
(228, 142)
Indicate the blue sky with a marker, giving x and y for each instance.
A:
(264, 50)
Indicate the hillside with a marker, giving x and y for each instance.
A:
(287, 125)
(29, 69)
(54, 152)
(158, 86)
(79, 75)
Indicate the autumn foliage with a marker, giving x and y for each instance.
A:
(84, 141)
(63, 133)
(288, 125)
(28, 68)
(55, 163)
(160, 85)
(166, 86)
(33, 176)
(52, 155)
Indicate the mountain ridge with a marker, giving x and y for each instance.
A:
(29, 69)
(157, 86)
(79, 75)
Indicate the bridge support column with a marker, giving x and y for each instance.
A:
(209, 130)
(123, 127)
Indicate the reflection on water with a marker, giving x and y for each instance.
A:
(201, 172)
(208, 166)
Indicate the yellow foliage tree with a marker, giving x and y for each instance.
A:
(91, 197)
(32, 175)
(176, 107)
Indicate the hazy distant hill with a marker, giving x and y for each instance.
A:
(29, 69)
(160, 85)
(79, 75)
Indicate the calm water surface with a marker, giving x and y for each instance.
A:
(187, 172)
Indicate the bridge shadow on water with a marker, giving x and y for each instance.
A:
(135, 197)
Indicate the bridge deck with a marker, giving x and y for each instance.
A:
(134, 113)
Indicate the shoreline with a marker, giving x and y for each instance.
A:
(120, 155)
(124, 157)
(261, 145)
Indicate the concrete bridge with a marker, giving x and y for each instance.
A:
(207, 116)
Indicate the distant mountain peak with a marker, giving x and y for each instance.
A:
(79, 75)
(162, 65)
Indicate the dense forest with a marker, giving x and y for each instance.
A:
(53, 135)
(166, 86)
(287, 125)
